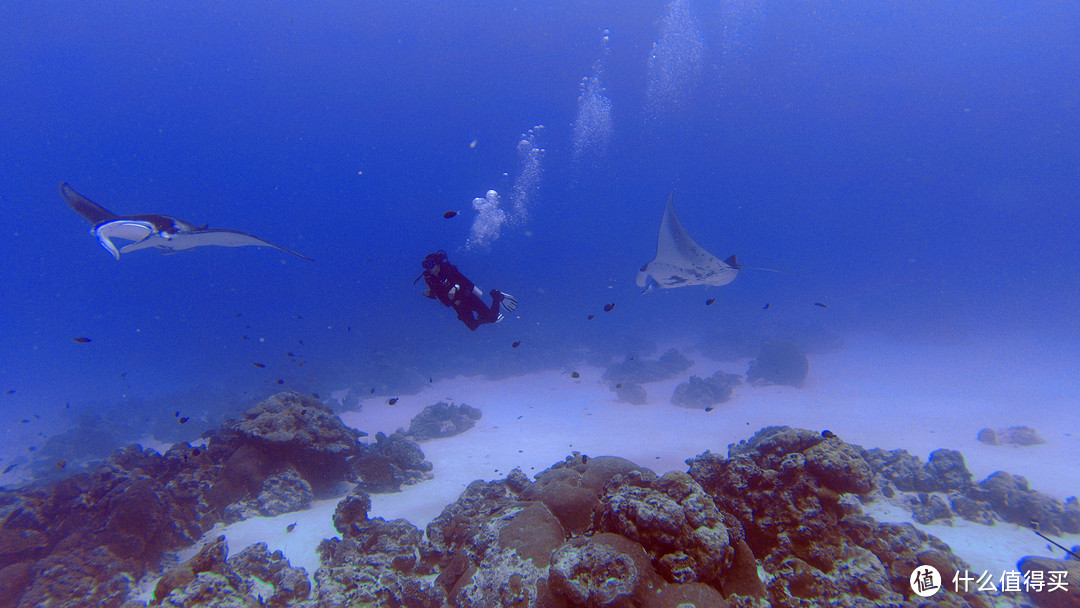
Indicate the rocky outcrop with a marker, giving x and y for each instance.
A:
(703, 393)
(83, 541)
(442, 420)
(388, 464)
(635, 370)
(780, 362)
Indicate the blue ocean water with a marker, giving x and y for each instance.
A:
(912, 166)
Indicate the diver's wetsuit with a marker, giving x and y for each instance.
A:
(443, 277)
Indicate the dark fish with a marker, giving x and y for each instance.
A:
(300, 342)
(303, 412)
(31, 448)
(619, 385)
(516, 344)
(372, 391)
(37, 416)
(80, 340)
(820, 304)
(290, 527)
(449, 214)
(184, 420)
(10, 392)
(316, 395)
(195, 452)
(349, 328)
(280, 381)
(609, 307)
(710, 301)
(520, 417)
(9, 468)
(61, 464)
(827, 434)
(176, 414)
(591, 317)
(429, 380)
(244, 338)
(259, 365)
(299, 317)
(392, 401)
(709, 409)
(26, 421)
(289, 354)
(247, 327)
(575, 375)
(766, 307)
(238, 314)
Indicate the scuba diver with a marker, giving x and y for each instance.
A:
(447, 285)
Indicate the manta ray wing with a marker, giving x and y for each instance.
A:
(202, 237)
(91, 211)
(680, 261)
(129, 230)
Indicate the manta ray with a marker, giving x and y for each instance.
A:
(161, 231)
(680, 261)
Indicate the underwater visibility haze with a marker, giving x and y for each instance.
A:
(910, 171)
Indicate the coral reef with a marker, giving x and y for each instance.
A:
(442, 420)
(634, 394)
(780, 362)
(702, 393)
(84, 540)
(635, 370)
(1014, 435)
(389, 463)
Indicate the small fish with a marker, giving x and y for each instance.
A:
(516, 344)
(280, 381)
(591, 317)
(609, 307)
(61, 464)
(10, 392)
(176, 414)
(290, 527)
(300, 342)
(449, 214)
(349, 328)
(710, 301)
(575, 375)
(827, 434)
(372, 391)
(195, 452)
(619, 385)
(31, 448)
(429, 380)
(820, 304)
(392, 401)
(259, 365)
(520, 417)
(184, 420)
(709, 409)
(25, 421)
(316, 395)
(289, 354)
(9, 468)
(80, 340)
(238, 314)
(299, 317)
(303, 412)
(766, 307)
(244, 338)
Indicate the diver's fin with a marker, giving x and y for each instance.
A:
(509, 302)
